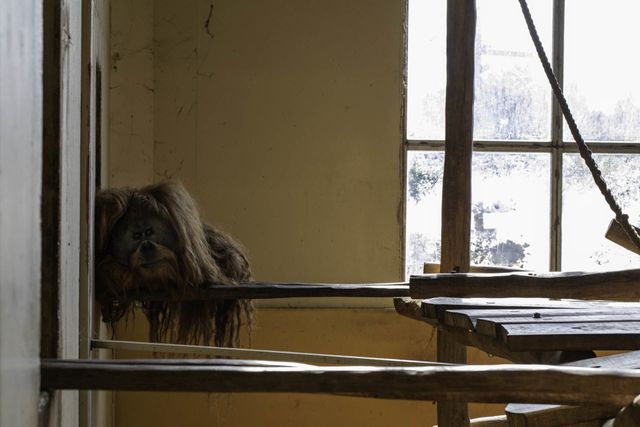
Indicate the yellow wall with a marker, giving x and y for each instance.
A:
(283, 118)
(285, 123)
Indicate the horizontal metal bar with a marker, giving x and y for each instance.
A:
(254, 354)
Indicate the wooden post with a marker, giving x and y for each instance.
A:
(456, 194)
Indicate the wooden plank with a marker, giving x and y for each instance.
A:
(491, 327)
(496, 383)
(571, 336)
(468, 318)
(434, 308)
(623, 285)
(268, 290)
(629, 360)
(499, 347)
(617, 235)
(536, 415)
(462, 335)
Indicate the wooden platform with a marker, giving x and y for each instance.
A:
(528, 324)
(538, 330)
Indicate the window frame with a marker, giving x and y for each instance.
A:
(555, 146)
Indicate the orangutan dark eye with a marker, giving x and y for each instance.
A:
(148, 232)
(137, 235)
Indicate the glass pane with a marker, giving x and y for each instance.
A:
(426, 73)
(602, 65)
(512, 96)
(424, 198)
(586, 215)
(510, 222)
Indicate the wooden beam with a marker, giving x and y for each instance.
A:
(617, 235)
(491, 384)
(456, 191)
(270, 290)
(623, 285)
(532, 415)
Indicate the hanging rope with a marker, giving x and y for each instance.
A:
(585, 152)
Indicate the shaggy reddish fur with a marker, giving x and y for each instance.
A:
(203, 256)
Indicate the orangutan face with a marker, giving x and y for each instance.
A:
(142, 241)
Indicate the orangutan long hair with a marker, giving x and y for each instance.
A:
(152, 239)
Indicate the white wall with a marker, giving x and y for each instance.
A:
(20, 183)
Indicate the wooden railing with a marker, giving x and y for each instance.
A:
(489, 384)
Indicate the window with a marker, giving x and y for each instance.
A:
(534, 204)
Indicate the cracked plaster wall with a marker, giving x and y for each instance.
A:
(131, 93)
